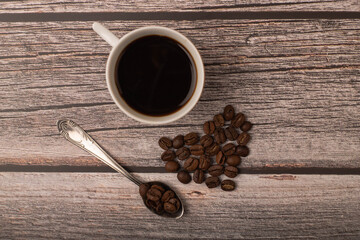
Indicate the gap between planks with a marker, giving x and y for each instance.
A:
(268, 169)
(179, 16)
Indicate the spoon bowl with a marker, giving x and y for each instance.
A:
(176, 215)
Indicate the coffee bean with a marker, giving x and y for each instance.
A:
(227, 185)
(243, 139)
(191, 164)
(167, 196)
(168, 155)
(242, 151)
(172, 206)
(231, 133)
(165, 143)
(216, 170)
(229, 149)
(172, 166)
(197, 150)
(183, 153)
(229, 112)
(231, 171)
(212, 182)
(143, 188)
(191, 138)
(220, 158)
(212, 150)
(209, 127)
(159, 208)
(233, 160)
(153, 194)
(246, 126)
(184, 177)
(178, 141)
(198, 176)
(158, 187)
(206, 140)
(219, 120)
(238, 120)
(204, 162)
(151, 204)
(219, 136)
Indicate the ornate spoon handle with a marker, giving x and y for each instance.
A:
(77, 136)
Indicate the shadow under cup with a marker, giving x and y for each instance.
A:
(155, 75)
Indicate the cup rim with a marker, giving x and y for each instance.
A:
(146, 31)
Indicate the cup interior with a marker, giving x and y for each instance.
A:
(111, 69)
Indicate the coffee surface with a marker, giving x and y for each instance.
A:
(155, 75)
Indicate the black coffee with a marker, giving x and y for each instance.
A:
(155, 75)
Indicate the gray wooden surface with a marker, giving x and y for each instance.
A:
(292, 67)
(176, 6)
(106, 205)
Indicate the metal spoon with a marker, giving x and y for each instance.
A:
(77, 136)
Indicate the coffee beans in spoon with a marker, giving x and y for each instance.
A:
(160, 199)
(220, 149)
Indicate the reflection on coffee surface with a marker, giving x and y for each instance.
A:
(155, 75)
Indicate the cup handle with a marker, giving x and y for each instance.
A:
(105, 34)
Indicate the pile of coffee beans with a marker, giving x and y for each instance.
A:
(159, 198)
(225, 140)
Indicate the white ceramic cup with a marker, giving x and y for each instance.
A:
(118, 45)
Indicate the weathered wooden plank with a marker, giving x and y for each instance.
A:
(165, 5)
(298, 81)
(105, 205)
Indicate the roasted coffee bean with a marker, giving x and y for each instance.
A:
(198, 176)
(168, 155)
(191, 138)
(227, 185)
(158, 187)
(183, 153)
(197, 150)
(167, 196)
(159, 208)
(246, 126)
(209, 127)
(206, 140)
(178, 141)
(165, 143)
(219, 135)
(229, 149)
(172, 206)
(231, 171)
(184, 177)
(242, 151)
(172, 166)
(220, 158)
(151, 204)
(233, 160)
(229, 112)
(191, 164)
(143, 188)
(243, 139)
(212, 150)
(204, 162)
(216, 170)
(231, 133)
(238, 120)
(219, 120)
(212, 182)
(153, 194)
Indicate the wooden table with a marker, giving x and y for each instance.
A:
(292, 67)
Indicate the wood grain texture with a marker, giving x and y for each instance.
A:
(296, 80)
(173, 5)
(106, 206)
